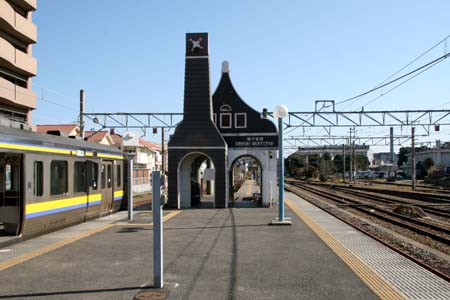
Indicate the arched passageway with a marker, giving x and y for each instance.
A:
(196, 183)
(246, 182)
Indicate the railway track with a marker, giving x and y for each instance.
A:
(420, 226)
(435, 264)
(425, 188)
(442, 210)
(426, 197)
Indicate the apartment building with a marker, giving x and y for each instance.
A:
(17, 64)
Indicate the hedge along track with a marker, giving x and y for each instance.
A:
(436, 266)
(422, 227)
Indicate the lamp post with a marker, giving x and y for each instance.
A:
(280, 112)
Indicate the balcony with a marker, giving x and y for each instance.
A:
(16, 59)
(15, 95)
(16, 25)
(25, 4)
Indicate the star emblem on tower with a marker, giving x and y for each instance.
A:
(196, 44)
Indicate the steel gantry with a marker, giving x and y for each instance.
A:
(335, 119)
(142, 121)
(293, 142)
(319, 119)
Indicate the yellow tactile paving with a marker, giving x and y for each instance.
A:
(167, 217)
(35, 253)
(377, 284)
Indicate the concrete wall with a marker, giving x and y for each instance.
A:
(17, 23)
(269, 169)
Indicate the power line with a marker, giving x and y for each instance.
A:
(426, 67)
(443, 41)
(400, 84)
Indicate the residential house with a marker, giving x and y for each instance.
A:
(99, 137)
(68, 130)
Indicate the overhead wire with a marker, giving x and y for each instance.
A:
(423, 67)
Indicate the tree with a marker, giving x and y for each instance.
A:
(293, 163)
(314, 160)
(361, 162)
(428, 165)
(420, 170)
(402, 155)
(311, 172)
(339, 163)
(326, 169)
(326, 156)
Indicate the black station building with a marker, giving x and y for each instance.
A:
(219, 130)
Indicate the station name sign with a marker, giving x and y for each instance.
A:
(253, 141)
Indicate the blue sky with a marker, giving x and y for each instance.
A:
(129, 55)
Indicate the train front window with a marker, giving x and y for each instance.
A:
(79, 177)
(58, 177)
(38, 179)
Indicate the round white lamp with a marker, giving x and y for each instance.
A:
(280, 111)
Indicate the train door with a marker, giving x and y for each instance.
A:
(10, 193)
(107, 187)
(93, 190)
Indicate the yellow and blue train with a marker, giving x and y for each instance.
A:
(48, 182)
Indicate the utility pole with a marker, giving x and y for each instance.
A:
(163, 154)
(413, 156)
(343, 154)
(81, 114)
(351, 160)
(391, 142)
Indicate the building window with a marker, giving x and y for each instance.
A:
(240, 120)
(38, 179)
(225, 120)
(79, 177)
(119, 176)
(225, 107)
(58, 177)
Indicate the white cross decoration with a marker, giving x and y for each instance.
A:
(196, 44)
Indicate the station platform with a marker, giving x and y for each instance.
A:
(214, 254)
(243, 198)
(246, 190)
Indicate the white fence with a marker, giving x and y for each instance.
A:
(142, 185)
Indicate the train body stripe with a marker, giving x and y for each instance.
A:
(57, 210)
(49, 149)
(35, 148)
(63, 203)
(50, 207)
(104, 155)
(118, 193)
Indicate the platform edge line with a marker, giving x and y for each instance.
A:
(370, 277)
(43, 250)
(46, 249)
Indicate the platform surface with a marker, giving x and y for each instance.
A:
(209, 254)
(409, 279)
